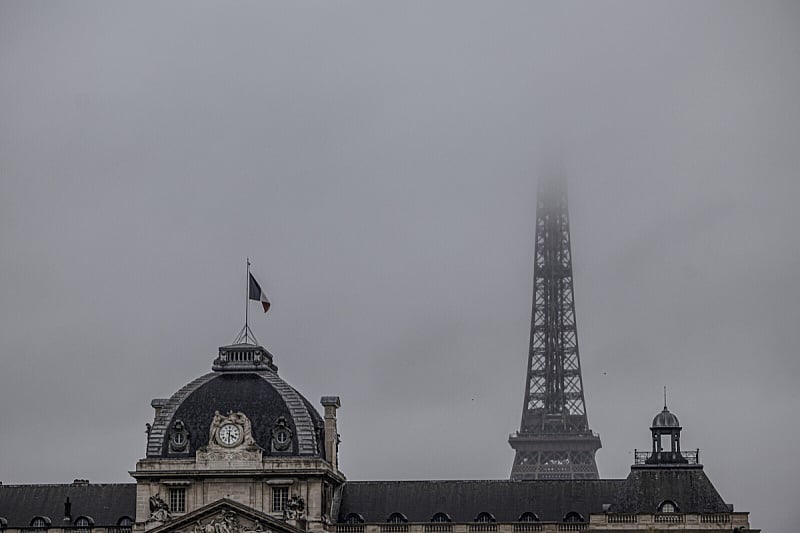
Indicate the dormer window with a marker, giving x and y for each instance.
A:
(397, 518)
(668, 506)
(83, 524)
(528, 517)
(485, 517)
(354, 518)
(572, 516)
(40, 522)
(126, 523)
(441, 517)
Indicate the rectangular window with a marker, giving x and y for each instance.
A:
(280, 495)
(177, 500)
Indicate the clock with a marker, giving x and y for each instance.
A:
(229, 435)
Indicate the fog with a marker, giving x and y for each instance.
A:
(378, 164)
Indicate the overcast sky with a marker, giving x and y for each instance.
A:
(378, 163)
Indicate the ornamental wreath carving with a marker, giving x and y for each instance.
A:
(281, 435)
(179, 437)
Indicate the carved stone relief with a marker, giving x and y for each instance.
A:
(230, 443)
(224, 427)
(226, 522)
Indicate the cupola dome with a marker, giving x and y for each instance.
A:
(665, 419)
(245, 382)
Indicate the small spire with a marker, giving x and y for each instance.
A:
(665, 398)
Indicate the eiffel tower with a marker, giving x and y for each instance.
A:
(554, 440)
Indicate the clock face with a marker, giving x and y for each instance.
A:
(229, 434)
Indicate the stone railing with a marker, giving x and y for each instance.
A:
(527, 526)
(468, 527)
(668, 518)
(715, 518)
(622, 518)
(394, 528)
(681, 521)
(597, 522)
(350, 528)
(482, 527)
(69, 529)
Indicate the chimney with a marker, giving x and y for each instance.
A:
(331, 404)
(67, 511)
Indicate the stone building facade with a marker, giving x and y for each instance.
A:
(239, 450)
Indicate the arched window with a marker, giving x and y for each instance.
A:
(354, 518)
(83, 524)
(572, 516)
(528, 517)
(667, 506)
(3, 523)
(397, 518)
(485, 517)
(40, 521)
(441, 517)
(125, 521)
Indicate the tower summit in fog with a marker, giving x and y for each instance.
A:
(554, 440)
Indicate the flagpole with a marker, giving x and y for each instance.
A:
(247, 303)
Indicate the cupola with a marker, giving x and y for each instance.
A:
(666, 428)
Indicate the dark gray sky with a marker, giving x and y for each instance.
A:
(378, 162)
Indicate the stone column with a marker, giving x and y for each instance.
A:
(331, 404)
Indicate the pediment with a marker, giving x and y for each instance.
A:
(225, 516)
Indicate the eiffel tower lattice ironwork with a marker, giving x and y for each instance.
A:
(554, 440)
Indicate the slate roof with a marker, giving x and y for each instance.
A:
(642, 491)
(506, 500)
(105, 503)
(261, 395)
(688, 487)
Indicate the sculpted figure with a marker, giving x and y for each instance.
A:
(215, 425)
(241, 419)
(295, 508)
(258, 528)
(228, 524)
(159, 510)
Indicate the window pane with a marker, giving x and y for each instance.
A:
(177, 500)
(280, 496)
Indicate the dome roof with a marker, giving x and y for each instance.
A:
(237, 384)
(665, 419)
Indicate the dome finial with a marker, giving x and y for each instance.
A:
(665, 397)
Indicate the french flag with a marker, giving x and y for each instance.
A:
(257, 294)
